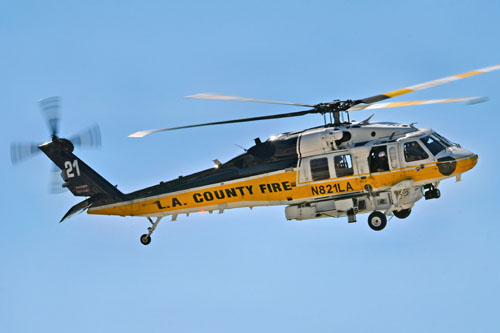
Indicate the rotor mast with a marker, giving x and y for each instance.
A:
(334, 108)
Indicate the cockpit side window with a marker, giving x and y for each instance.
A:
(414, 152)
(319, 168)
(343, 165)
(433, 144)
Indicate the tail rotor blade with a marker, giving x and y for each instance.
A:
(50, 110)
(56, 181)
(89, 138)
(22, 151)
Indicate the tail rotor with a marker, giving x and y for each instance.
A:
(50, 109)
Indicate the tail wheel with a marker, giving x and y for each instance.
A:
(377, 221)
(145, 239)
(402, 214)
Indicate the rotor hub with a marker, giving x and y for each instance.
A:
(334, 108)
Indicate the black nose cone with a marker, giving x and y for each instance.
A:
(447, 165)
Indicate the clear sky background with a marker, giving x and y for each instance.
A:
(126, 65)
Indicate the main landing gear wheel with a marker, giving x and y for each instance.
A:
(145, 239)
(402, 214)
(377, 221)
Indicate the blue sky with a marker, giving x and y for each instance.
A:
(126, 65)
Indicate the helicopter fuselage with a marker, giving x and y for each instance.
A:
(321, 172)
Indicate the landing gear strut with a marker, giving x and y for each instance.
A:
(146, 238)
(377, 221)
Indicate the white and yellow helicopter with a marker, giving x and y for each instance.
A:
(342, 168)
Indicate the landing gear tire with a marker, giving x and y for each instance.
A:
(145, 239)
(402, 214)
(377, 221)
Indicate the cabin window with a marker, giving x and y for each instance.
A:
(414, 152)
(343, 165)
(319, 169)
(394, 158)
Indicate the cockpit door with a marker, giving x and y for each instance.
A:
(413, 154)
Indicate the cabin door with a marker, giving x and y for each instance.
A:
(378, 160)
(414, 155)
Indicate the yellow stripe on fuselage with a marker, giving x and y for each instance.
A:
(272, 189)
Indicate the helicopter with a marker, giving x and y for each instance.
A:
(342, 168)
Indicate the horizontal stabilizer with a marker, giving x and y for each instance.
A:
(77, 209)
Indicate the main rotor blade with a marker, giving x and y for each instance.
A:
(244, 99)
(50, 110)
(425, 85)
(141, 134)
(471, 100)
(90, 137)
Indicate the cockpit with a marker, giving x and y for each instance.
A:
(414, 150)
(436, 143)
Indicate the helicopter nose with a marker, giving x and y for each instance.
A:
(472, 161)
(456, 160)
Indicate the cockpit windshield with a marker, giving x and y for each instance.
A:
(435, 143)
(445, 140)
